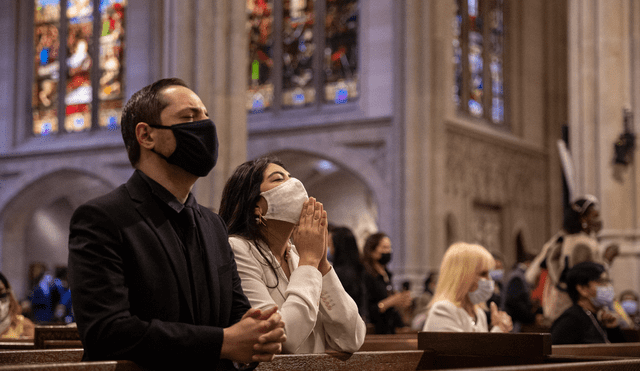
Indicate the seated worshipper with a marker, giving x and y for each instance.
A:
(13, 325)
(516, 297)
(151, 272)
(384, 304)
(463, 288)
(590, 319)
(264, 208)
(629, 303)
(347, 264)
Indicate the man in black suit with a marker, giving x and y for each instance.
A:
(152, 275)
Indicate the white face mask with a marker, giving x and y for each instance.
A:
(285, 201)
(5, 318)
(483, 292)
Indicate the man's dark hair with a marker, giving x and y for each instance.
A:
(144, 105)
(581, 274)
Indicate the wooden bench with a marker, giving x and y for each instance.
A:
(55, 337)
(16, 344)
(34, 356)
(447, 350)
(389, 342)
(611, 365)
(358, 361)
(76, 366)
(602, 350)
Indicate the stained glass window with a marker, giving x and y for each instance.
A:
(478, 59)
(63, 93)
(341, 51)
(301, 53)
(260, 26)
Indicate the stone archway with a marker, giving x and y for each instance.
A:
(35, 223)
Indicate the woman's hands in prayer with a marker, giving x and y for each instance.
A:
(310, 235)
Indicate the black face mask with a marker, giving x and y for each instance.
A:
(385, 258)
(196, 146)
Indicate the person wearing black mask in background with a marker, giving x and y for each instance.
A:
(151, 272)
(383, 302)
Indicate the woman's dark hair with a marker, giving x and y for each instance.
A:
(581, 274)
(346, 251)
(239, 198)
(5, 282)
(573, 214)
(369, 247)
(145, 105)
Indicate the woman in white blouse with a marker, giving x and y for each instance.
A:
(264, 209)
(463, 287)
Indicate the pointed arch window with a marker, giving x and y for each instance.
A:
(301, 53)
(479, 60)
(78, 65)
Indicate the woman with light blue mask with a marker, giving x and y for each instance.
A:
(629, 303)
(463, 288)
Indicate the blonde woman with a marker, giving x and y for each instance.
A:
(463, 287)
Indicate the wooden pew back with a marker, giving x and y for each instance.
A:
(54, 337)
(603, 350)
(446, 350)
(22, 357)
(77, 366)
(335, 361)
(389, 342)
(614, 365)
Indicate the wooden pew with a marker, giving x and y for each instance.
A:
(35, 356)
(16, 344)
(335, 361)
(389, 342)
(602, 350)
(448, 350)
(55, 337)
(76, 366)
(611, 365)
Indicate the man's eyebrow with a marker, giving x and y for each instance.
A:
(194, 110)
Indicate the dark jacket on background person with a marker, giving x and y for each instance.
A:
(576, 326)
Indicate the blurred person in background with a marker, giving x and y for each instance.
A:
(383, 302)
(575, 243)
(13, 325)
(590, 319)
(463, 288)
(348, 265)
(516, 297)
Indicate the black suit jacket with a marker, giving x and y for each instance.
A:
(130, 288)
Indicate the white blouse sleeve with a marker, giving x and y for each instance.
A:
(343, 326)
(443, 317)
(300, 308)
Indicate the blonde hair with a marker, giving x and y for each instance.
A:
(461, 263)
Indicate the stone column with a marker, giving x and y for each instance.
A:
(205, 44)
(602, 35)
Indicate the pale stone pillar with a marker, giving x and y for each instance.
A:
(426, 70)
(205, 44)
(602, 38)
